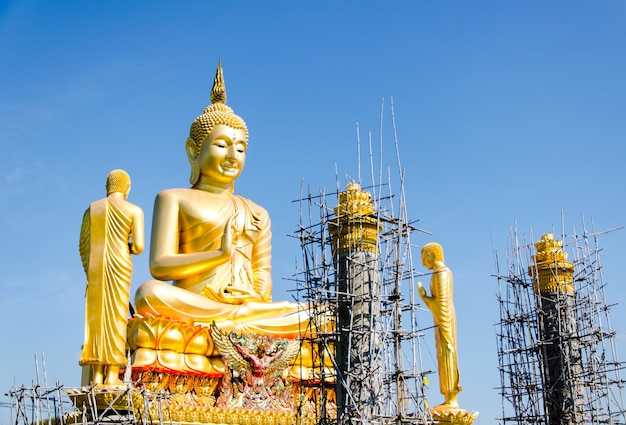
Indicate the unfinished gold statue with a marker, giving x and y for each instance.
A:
(441, 305)
(112, 230)
(214, 245)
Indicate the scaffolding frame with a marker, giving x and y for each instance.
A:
(403, 377)
(403, 394)
(61, 405)
(520, 346)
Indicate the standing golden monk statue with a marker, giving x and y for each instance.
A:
(112, 230)
(213, 245)
(441, 305)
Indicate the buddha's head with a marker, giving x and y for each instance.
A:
(431, 253)
(118, 181)
(217, 122)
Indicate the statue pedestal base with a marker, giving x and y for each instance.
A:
(136, 406)
(453, 415)
(189, 373)
(167, 345)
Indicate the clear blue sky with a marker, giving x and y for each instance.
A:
(505, 111)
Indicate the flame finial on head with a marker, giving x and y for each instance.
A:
(216, 113)
(218, 93)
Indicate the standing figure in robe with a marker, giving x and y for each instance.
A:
(111, 231)
(441, 305)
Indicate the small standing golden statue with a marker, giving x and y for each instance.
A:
(441, 304)
(112, 230)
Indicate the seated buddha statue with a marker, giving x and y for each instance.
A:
(214, 245)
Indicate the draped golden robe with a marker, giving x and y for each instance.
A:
(105, 254)
(444, 316)
(250, 264)
(205, 297)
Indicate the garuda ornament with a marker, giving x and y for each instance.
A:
(256, 366)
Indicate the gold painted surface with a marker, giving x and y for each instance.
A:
(551, 272)
(454, 417)
(176, 408)
(440, 303)
(214, 245)
(255, 389)
(162, 344)
(356, 226)
(112, 230)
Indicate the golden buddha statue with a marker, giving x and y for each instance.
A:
(214, 245)
(112, 230)
(440, 303)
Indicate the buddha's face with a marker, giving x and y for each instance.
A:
(223, 155)
(428, 259)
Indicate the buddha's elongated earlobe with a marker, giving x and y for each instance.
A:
(193, 161)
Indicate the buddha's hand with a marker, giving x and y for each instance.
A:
(227, 240)
(238, 295)
(421, 290)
